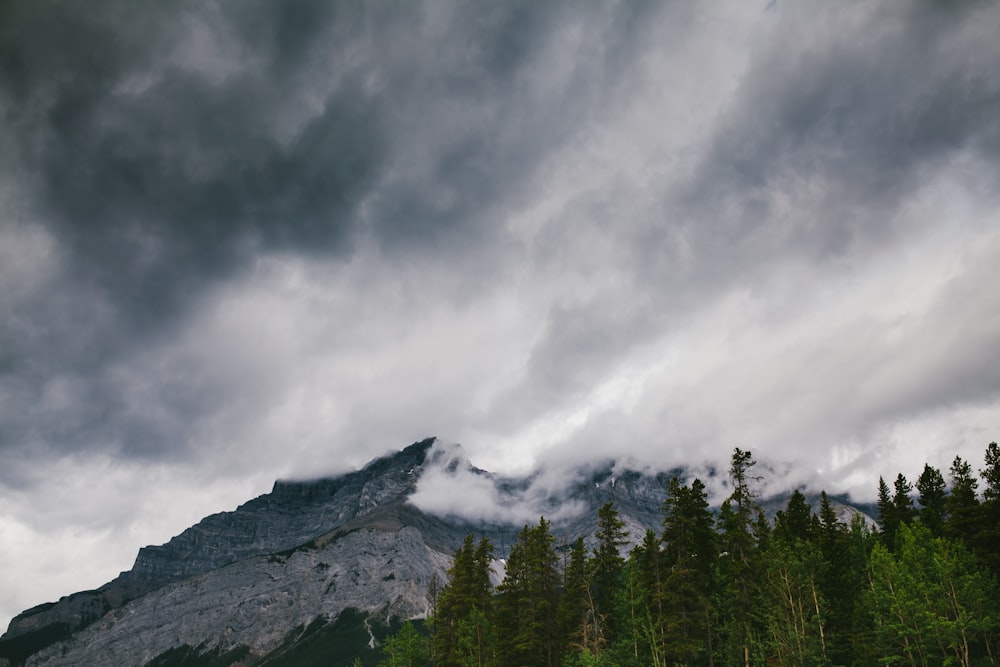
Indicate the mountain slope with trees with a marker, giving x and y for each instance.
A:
(732, 588)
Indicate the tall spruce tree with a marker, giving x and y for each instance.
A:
(932, 495)
(650, 569)
(887, 519)
(902, 500)
(962, 510)
(607, 565)
(988, 539)
(575, 604)
(837, 583)
(464, 609)
(795, 521)
(689, 556)
(527, 627)
(737, 524)
(991, 473)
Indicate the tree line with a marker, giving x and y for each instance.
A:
(732, 588)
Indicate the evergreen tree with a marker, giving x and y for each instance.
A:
(864, 646)
(575, 614)
(931, 488)
(837, 582)
(895, 511)
(738, 567)
(902, 502)
(607, 565)
(887, 519)
(527, 628)
(962, 508)
(991, 474)
(795, 522)
(464, 608)
(650, 569)
(988, 539)
(632, 647)
(683, 601)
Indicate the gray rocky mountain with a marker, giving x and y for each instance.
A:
(248, 586)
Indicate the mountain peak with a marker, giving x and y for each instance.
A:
(373, 540)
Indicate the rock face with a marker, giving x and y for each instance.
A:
(291, 515)
(255, 602)
(242, 582)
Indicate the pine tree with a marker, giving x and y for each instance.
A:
(689, 556)
(632, 647)
(527, 628)
(795, 522)
(902, 502)
(607, 564)
(650, 569)
(887, 520)
(895, 511)
(962, 508)
(575, 608)
(991, 474)
(932, 497)
(837, 581)
(737, 524)
(988, 540)
(465, 607)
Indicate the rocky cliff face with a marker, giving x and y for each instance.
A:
(291, 515)
(240, 584)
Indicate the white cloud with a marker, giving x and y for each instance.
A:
(451, 486)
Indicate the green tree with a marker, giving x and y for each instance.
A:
(632, 647)
(931, 488)
(839, 580)
(795, 521)
(607, 564)
(689, 558)
(991, 473)
(738, 567)
(575, 613)
(894, 511)
(406, 648)
(962, 510)
(861, 541)
(527, 629)
(887, 520)
(902, 501)
(649, 566)
(988, 539)
(796, 608)
(930, 603)
(465, 607)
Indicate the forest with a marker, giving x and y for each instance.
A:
(729, 587)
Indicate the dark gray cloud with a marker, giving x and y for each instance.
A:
(166, 150)
(860, 115)
(249, 240)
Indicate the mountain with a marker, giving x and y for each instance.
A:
(317, 567)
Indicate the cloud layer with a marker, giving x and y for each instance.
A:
(250, 240)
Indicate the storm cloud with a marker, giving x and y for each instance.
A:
(243, 241)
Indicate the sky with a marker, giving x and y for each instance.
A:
(250, 240)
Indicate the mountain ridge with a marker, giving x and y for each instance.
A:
(308, 551)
